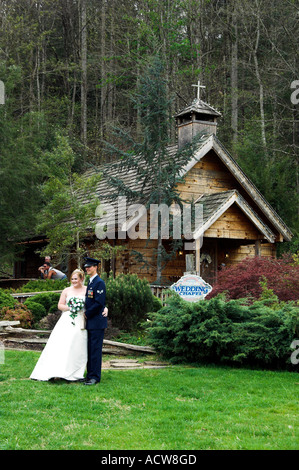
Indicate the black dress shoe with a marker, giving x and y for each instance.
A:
(91, 382)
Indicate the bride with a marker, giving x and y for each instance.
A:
(65, 354)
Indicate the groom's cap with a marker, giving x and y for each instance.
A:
(91, 262)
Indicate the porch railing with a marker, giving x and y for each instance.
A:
(162, 292)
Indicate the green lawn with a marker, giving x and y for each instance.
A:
(178, 408)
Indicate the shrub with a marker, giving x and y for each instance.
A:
(38, 310)
(43, 299)
(129, 299)
(42, 285)
(42, 304)
(53, 308)
(242, 280)
(221, 331)
(6, 300)
(54, 298)
(157, 304)
(49, 300)
(19, 312)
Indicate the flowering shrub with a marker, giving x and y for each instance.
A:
(243, 280)
(19, 312)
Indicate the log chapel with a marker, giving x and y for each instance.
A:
(237, 221)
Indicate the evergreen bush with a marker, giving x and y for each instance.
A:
(157, 304)
(53, 308)
(42, 304)
(43, 299)
(48, 299)
(41, 285)
(129, 299)
(220, 331)
(37, 309)
(6, 300)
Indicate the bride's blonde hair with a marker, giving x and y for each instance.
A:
(80, 273)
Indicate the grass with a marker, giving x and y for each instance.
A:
(178, 408)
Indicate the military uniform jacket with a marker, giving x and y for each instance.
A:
(95, 301)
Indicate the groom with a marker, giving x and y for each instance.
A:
(96, 321)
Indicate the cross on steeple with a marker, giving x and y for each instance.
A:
(198, 86)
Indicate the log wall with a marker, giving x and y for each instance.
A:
(208, 176)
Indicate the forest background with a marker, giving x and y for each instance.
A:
(70, 68)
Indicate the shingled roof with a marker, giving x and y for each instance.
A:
(212, 142)
(198, 106)
(214, 204)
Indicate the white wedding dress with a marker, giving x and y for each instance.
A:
(65, 354)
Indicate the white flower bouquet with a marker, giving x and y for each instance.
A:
(75, 304)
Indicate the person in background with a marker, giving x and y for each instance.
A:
(52, 273)
(42, 269)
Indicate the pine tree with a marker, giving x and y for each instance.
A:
(157, 169)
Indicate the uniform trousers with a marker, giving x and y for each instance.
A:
(94, 347)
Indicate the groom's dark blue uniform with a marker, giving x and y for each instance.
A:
(95, 324)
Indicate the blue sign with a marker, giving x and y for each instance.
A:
(191, 288)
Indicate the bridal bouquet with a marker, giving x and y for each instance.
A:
(75, 305)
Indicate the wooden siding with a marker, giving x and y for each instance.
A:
(206, 177)
(236, 255)
(221, 250)
(233, 224)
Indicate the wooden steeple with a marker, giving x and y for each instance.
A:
(199, 117)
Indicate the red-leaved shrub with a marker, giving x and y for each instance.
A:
(19, 312)
(243, 279)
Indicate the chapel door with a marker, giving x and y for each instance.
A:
(208, 261)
